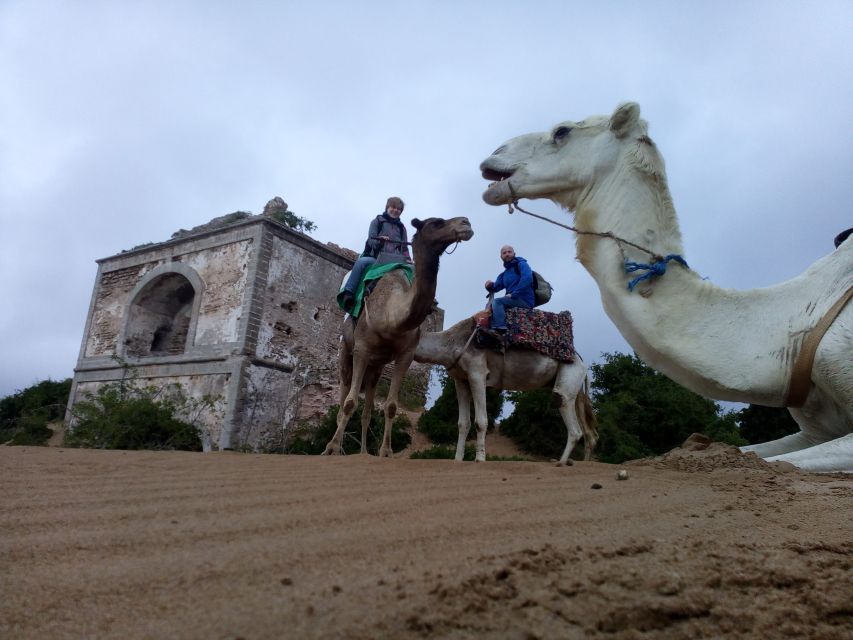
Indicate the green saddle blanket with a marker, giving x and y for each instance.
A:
(373, 272)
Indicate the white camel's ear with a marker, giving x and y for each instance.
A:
(626, 116)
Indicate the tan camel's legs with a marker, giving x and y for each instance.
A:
(348, 406)
(401, 366)
(463, 398)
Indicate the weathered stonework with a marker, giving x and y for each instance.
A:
(245, 313)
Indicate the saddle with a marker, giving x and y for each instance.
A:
(548, 333)
(371, 276)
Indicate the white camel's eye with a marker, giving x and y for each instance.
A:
(561, 133)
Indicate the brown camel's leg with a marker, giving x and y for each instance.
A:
(401, 366)
(371, 377)
(463, 398)
(348, 405)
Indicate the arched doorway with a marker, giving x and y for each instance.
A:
(160, 317)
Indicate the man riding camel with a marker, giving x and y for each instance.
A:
(517, 279)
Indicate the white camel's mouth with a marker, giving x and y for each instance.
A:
(500, 190)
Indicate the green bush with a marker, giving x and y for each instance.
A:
(443, 452)
(762, 424)
(122, 415)
(312, 441)
(25, 414)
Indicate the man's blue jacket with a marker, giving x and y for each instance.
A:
(517, 279)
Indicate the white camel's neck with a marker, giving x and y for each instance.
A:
(443, 347)
(678, 323)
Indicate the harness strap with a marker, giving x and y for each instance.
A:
(798, 389)
(461, 353)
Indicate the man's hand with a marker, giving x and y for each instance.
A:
(489, 284)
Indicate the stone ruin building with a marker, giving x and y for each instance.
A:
(241, 309)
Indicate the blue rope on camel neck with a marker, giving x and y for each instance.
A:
(656, 268)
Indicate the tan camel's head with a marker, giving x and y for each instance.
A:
(568, 160)
(437, 234)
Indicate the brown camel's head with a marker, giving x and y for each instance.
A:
(437, 233)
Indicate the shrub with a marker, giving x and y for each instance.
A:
(442, 452)
(24, 416)
(123, 415)
(762, 424)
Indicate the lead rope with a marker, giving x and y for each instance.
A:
(464, 349)
(655, 267)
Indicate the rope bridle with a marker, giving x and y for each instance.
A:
(601, 234)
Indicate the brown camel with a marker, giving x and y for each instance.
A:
(389, 327)
(516, 369)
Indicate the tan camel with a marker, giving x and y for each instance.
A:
(724, 344)
(389, 327)
(517, 369)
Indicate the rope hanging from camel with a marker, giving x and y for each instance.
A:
(657, 266)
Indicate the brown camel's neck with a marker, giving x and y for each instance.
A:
(422, 293)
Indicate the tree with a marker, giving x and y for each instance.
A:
(762, 424)
(642, 412)
(278, 210)
(440, 422)
(25, 414)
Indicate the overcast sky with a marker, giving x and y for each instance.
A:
(121, 122)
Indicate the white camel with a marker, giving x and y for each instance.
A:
(721, 343)
(517, 369)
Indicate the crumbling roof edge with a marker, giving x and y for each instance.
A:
(297, 237)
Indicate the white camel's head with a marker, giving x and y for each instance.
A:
(570, 159)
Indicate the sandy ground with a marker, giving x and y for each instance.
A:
(712, 544)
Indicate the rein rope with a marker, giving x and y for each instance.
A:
(656, 267)
(445, 252)
(462, 352)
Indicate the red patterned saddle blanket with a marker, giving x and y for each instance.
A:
(546, 332)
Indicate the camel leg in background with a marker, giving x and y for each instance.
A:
(463, 399)
(477, 384)
(371, 377)
(401, 366)
(569, 382)
(586, 414)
